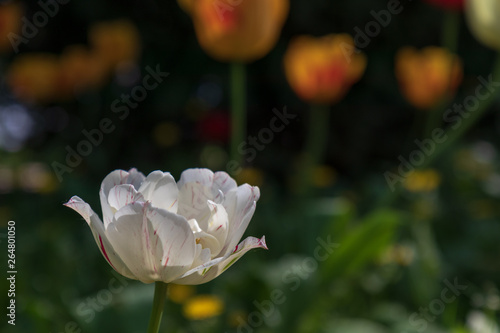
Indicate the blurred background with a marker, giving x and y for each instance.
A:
(367, 231)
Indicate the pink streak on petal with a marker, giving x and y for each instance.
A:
(105, 254)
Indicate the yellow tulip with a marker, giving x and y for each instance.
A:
(427, 76)
(322, 70)
(482, 18)
(237, 30)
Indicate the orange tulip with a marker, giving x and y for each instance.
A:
(10, 23)
(237, 30)
(322, 70)
(427, 76)
(33, 77)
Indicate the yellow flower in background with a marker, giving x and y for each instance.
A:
(399, 254)
(167, 134)
(237, 30)
(33, 77)
(427, 76)
(322, 70)
(203, 307)
(483, 21)
(179, 293)
(422, 180)
(117, 42)
(10, 23)
(324, 176)
(250, 176)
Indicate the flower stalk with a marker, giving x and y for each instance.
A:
(317, 139)
(158, 304)
(449, 35)
(238, 112)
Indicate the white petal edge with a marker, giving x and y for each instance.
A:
(97, 228)
(213, 268)
(240, 204)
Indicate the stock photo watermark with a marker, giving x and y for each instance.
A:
(30, 29)
(120, 106)
(420, 320)
(254, 144)
(11, 272)
(102, 299)
(88, 308)
(452, 116)
(292, 278)
(363, 37)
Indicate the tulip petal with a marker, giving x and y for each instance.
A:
(208, 241)
(122, 195)
(160, 188)
(218, 225)
(240, 205)
(117, 177)
(204, 241)
(202, 256)
(193, 198)
(224, 182)
(154, 243)
(218, 183)
(97, 228)
(202, 176)
(178, 244)
(215, 267)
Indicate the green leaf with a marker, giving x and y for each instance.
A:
(361, 244)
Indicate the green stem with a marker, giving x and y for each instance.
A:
(317, 137)
(450, 32)
(449, 36)
(158, 303)
(238, 114)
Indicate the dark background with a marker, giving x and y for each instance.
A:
(393, 257)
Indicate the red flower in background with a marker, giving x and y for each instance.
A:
(448, 4)
(214, 127)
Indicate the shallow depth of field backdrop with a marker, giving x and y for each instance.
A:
(380, 205)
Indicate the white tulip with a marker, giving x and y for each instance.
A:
(155, 229)
(483, 18)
